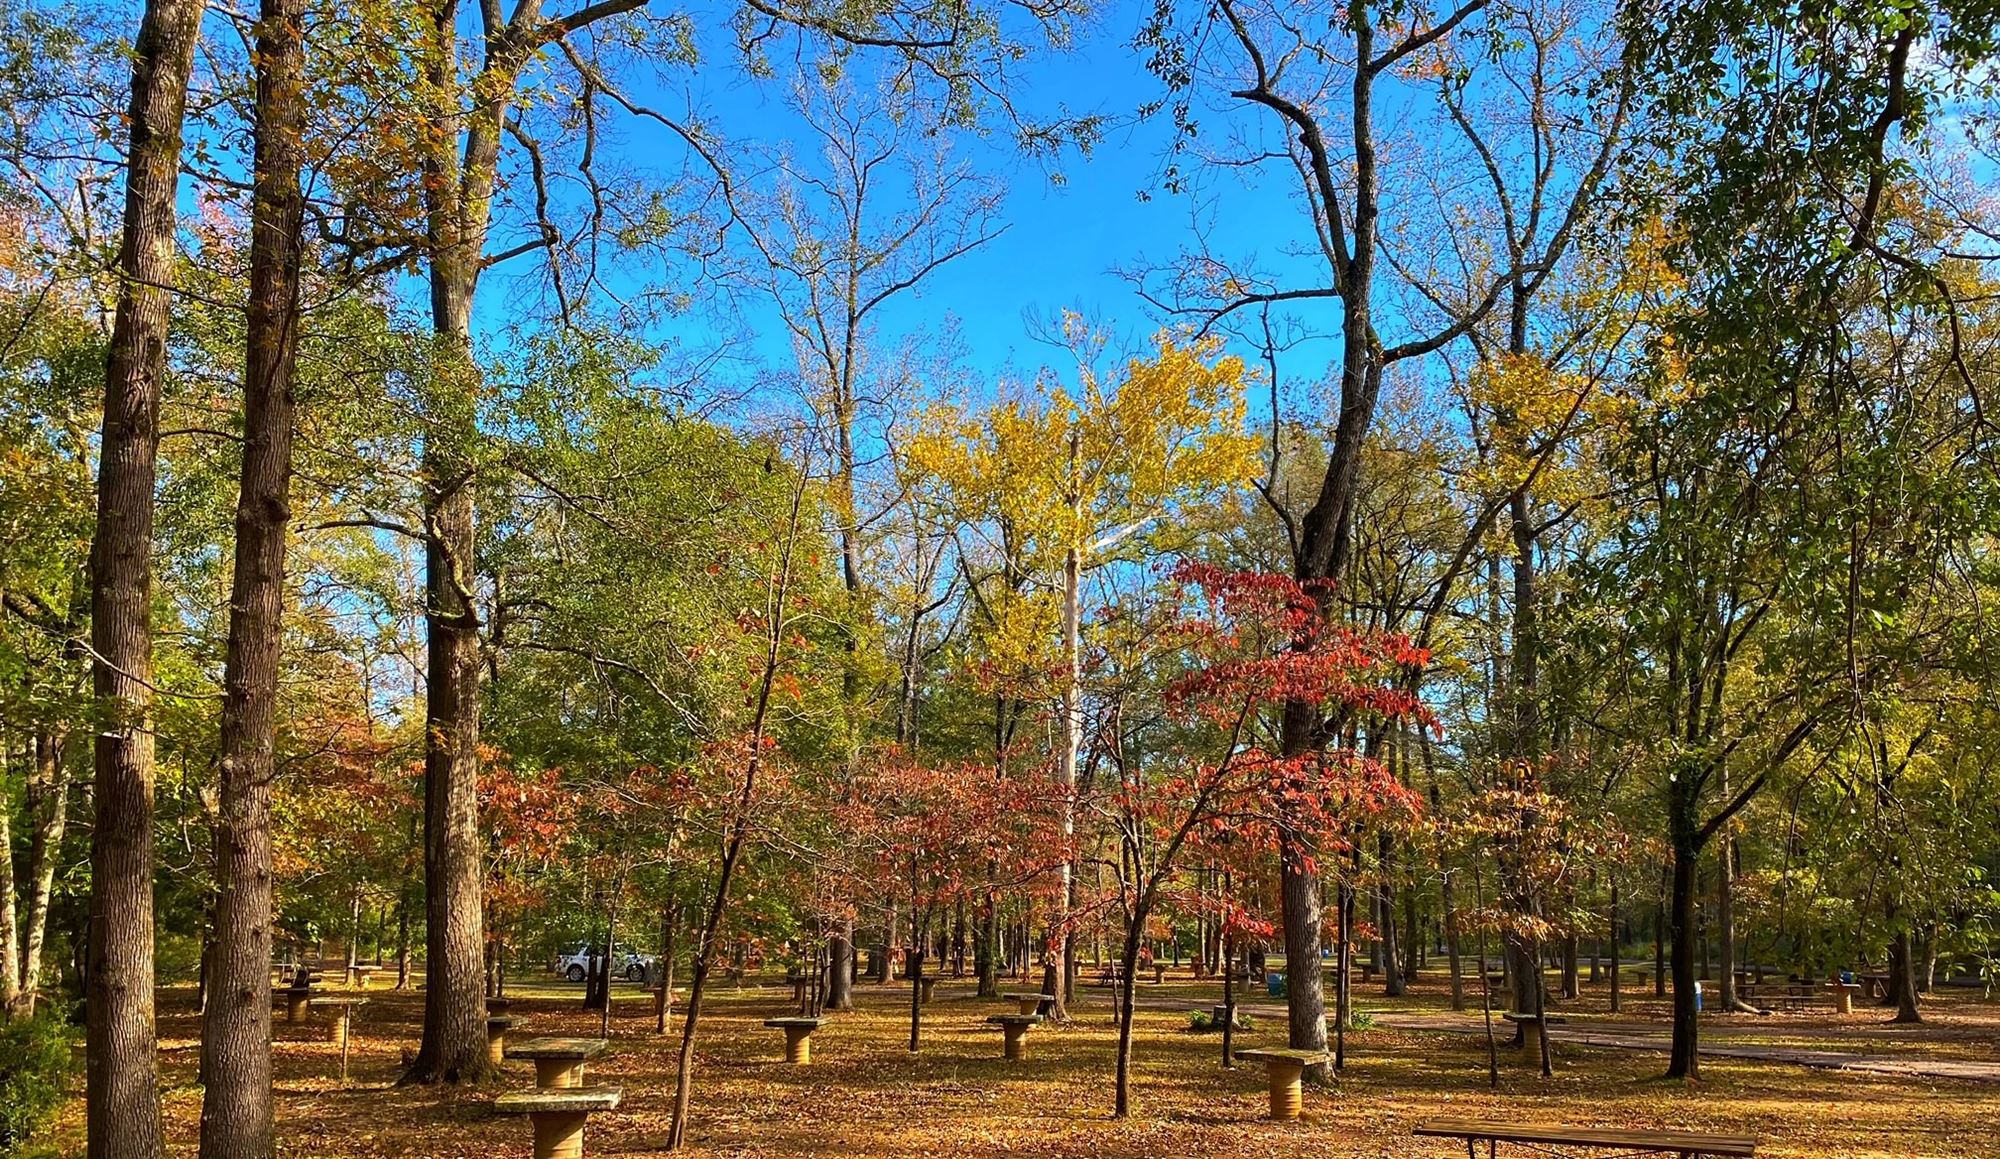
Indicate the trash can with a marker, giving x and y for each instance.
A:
(1697, 998)
(1274, 983)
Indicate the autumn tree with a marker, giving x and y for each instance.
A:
(1067, 481)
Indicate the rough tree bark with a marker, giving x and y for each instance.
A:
(122, 1098)
(236, 1025)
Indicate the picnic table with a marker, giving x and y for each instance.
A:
(1686, 1144)
(342, 1010)
(1874, 985)
(1788, 995)
(558, 1116)
(558, 1060)
(1284, 1068)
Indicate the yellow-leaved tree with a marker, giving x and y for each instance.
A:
(1065, 478)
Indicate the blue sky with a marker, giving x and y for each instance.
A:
(1065, 239)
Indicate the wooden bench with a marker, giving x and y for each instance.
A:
(1036, 1003)
(1014, 1033)
(798, 1037)
(1685, 1144)
(1789, 996)
(558, 1061)
(558, 1116)
(497, 1026)
(1284, 1068)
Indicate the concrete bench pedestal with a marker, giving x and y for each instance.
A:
(798, 1037)
(1014, 1033)
(297, 1001)
(1531, 1032)
(558, 1116)
(1285, 1069)
(497, 1026)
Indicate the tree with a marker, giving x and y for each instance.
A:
(123, 1097)
(236, 1024)
(1066, 482)
(1226, 649)
(1272, 59)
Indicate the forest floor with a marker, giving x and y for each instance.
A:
(866, 1095)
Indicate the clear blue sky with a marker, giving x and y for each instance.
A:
(1064, 242)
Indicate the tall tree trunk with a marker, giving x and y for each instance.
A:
(10, 932)
(1299, 906)
(840, 967)
(1062, 938)
(122, 1099)
(1903, 979)
(1660, 933)
(458, 204)
(1685, 1062)
(1128, 960)
(48, 811)
(1385, 916)
(236, 1027)
(1451, 941)
(1615, 944)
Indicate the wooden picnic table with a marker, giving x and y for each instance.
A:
(558, 1116)
(1686, 1144)
(1285, 1069)
(558, 1060)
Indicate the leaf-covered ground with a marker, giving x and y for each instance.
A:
(866, 1095)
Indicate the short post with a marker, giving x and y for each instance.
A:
(1285, 1069)
(496, 1037)
(1014, 1034)
(558, 1116)
(1843, 996)
(798, 1037)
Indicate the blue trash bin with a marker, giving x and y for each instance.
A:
(1697, 998)
(1274, 983)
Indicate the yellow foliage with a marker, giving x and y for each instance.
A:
(1070, 468)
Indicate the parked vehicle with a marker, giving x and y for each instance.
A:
(573, 962)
